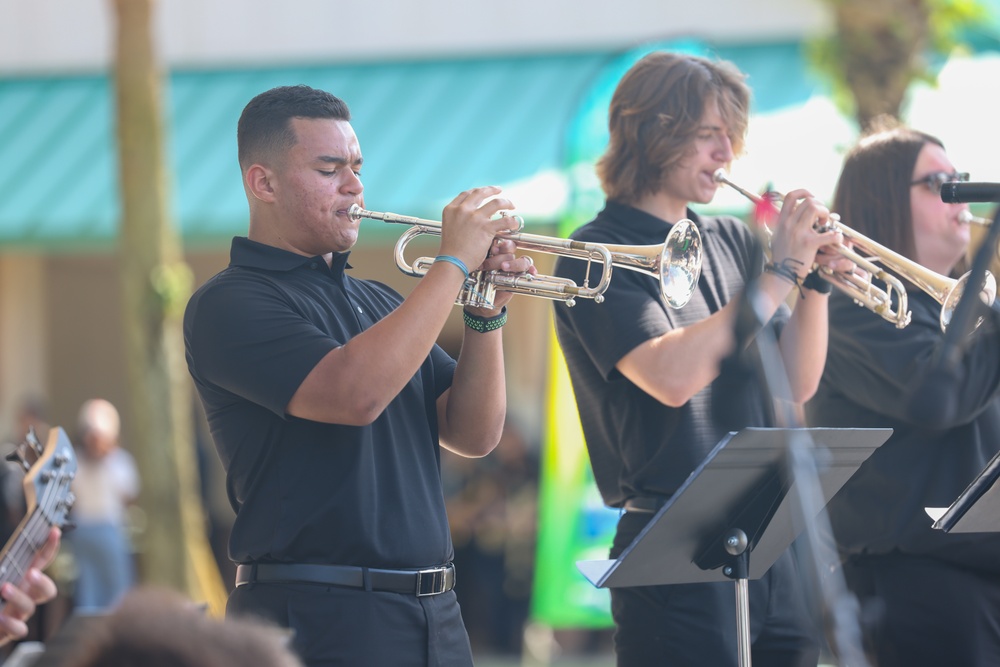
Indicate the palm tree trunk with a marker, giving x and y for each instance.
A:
(882, 45)
(156, 286)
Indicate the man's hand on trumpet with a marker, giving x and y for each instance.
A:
(798, 235)
(468, 225)
(501, 257)
(470, 232)
(829, 258)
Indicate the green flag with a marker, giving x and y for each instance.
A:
(573, 523)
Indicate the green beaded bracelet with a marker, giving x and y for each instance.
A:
(484, 324)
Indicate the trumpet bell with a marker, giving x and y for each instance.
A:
(680, 264)
(987, 294)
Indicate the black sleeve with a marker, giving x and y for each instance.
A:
(246, 338)
(881, 366)
(631, 314)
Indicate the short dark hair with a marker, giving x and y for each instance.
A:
(655, 114)
(264, 130)
(873, 191)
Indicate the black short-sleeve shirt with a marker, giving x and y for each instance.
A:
(637, 445)
(872, 369)
(305, 491)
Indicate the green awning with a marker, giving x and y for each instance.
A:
(428, 129)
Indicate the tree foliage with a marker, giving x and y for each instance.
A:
(880, 47)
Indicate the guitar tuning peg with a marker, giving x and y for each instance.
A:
(15, 457)
(32, 440)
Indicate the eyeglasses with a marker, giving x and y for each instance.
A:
(936, 179)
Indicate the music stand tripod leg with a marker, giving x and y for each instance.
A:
(737, 546)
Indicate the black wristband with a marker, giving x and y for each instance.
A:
(484, 324)
(784, 271)
(817, 283)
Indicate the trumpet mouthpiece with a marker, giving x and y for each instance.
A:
(966, 217)
(720, 175)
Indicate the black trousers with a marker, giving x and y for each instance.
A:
(694, 625)
(349, 627)
(923, 612)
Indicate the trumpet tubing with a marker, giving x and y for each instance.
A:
(881, 263)
(676, 263)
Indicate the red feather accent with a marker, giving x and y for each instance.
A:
(766, 211)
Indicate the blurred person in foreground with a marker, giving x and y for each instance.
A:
(153, 627)
(928, 597)
(645, 376)
(328, 398)
(106, 483)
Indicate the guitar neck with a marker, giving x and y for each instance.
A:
(20, 550)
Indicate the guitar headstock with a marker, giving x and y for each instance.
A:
(49, 469)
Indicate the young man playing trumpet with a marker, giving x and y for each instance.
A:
(644, 375)
(328, 398)
(929, 598)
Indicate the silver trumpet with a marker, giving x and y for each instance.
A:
(675, 263)
(871, 257)
(969, 219)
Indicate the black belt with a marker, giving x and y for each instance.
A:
(429, 581)
(647, 504)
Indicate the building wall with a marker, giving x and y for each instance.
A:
(61, 35)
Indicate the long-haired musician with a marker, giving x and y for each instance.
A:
(928, 597)
(645, 375)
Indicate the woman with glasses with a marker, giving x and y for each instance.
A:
(927, 597)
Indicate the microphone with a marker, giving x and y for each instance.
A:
(964, 193)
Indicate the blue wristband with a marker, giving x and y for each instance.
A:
(453, 260)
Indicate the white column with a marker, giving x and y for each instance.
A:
(23, 333)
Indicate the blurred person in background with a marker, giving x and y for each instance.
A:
(492, 510)
(928, 597)
(106, 483)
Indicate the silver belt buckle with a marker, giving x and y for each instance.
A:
(431, 582)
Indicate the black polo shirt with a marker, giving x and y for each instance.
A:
(637, 445)
(305, 491)
(871, 371)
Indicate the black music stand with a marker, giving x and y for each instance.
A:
(740, 500)
(977, 509)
